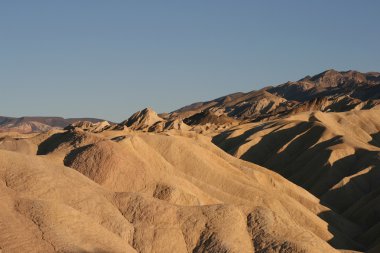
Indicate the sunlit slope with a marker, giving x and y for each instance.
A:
(155, 192)
(333, 155)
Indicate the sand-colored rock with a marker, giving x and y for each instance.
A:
(149, 192)
(157, 183)
(89, 126)
(142, 120)
(147, 120)
(336, 156)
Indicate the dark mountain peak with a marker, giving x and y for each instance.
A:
(332, 78)
(327, 78)
(306, 78)
(329, 82)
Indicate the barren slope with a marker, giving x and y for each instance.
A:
(155, 193)
(336, 156)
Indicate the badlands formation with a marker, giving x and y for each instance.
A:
(124, 191)
(291, 168)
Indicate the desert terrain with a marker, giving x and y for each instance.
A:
(288, 168)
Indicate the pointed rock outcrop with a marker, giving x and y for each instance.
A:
(142, 120)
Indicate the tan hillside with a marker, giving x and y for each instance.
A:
(143, 192)
(336, 156)
(158, 183)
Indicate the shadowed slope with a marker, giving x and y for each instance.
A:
(331, 154)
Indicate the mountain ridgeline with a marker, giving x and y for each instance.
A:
(328, 91)
(290, 168)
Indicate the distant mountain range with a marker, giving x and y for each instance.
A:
(37, 124)
(329, 91)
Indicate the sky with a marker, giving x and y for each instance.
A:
(108, 59)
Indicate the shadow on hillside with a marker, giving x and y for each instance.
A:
(288, 150)
(52, 143)
(230, 144)
(271, 144)
(375, 139)
(304, 162)
(344, 233)
(70, 157)
(296, 155)
(356, 187)
(318, 175)
(71, 138)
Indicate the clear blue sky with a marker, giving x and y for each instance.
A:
(108, 59)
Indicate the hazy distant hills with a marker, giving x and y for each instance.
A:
(37, 124)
